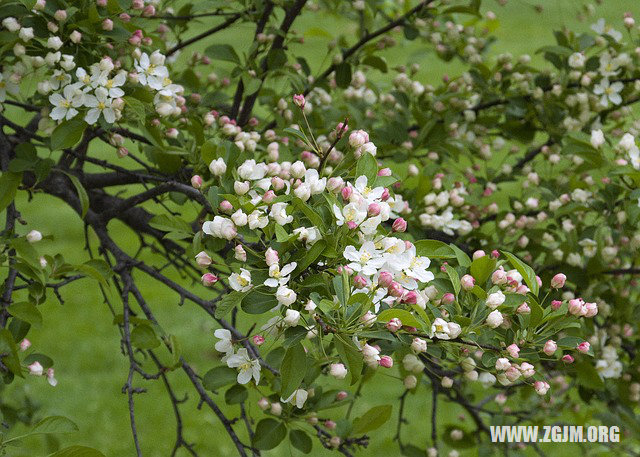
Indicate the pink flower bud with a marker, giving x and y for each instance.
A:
(541, 387)
(172, 133)
(523, 309)
(385, 361)
(590, 309)
(203, 260)
(556, 304)
(341, 395)
(550, 347)
(479, 253)
(385, 195)
(271, 257)
(226, 206)
(264, 404)
(330, 424)
(269, 196)
(513, 350)
(373, 210)
(196, 181)
(448, 298)
(360, 281)
(277, 183)
(209, 279)
(346, 192)
(107, 24)
(410, 297)
(385, 279)
(36, 369)
(384, 172)
(60, 15)
(583, 347)
(499, 277)
(396, 290)
(352, 225)
(495, 253)
(25, 344)
(567, 359)
(575, 306)
(467, 282)
(101, 2)
(149, 11)
(124, 17)
(299, 100)
(557, 282)
(394, 325)
(258, 340)
(399, 225)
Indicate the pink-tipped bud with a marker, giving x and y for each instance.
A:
(36, 369)
(410, 297)
(330, 424)
(523, 309)
(479, 253)
(271, 257)
(385, 195)
(352, 225)
(556, 304)
(550, 347)
(541, 387)
(258, 340)
(341, 395)
(557, 282)
(467, 282)
(346, 192)
(196, 181)
(495, 253)
(448, 298)
(373, 210)
(513, 350)
(385, 279)
(264, 404)
(269, 196)
(203, 260)
(567, 359)
(299, 100)
(360, 281)
(583, 347)
(399, 225)
(277, 183)
(25, 344)
(394, 325)
(60, 15)
(575, 306)
(107, 25)
(384, 172)
(149, 11)
(385, 361)
(226, 206)
(209, 279)
(122, 152)
(396, 290)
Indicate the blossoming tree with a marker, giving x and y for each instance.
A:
(473, 243)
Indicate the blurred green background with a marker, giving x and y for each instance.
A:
(84, 343)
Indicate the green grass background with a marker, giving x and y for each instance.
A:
(84, 343)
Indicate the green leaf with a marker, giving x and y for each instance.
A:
(77, 451)
(236, 394)
(144, 337)
(228, 302)
(301, 441)
(9, 183)
(268, 434)
(169, 223)
(405, 317)
(219, 377)
(309, 212)
(525, 270)
(588, 376)
(536, 313)
(256, 302)
(350, 355)
(8, 347)
(481, 268)
(293, 369)
(367, 166)
(67, 134)
(82, 193)
(295, 132)
(376, 62)
(27, 312)
(310, 256)
(372, 419)
(455, 279)
(54, 424)
(222, 52)
(434, 249)
(343, 75)
(463, 258)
